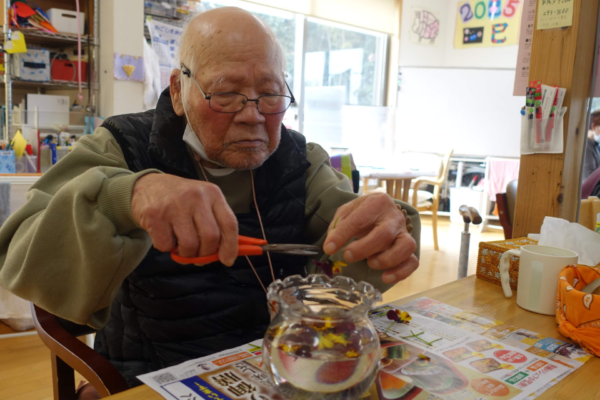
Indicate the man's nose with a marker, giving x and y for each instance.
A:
(250, 115)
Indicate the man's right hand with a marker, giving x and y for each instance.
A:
(191, 215)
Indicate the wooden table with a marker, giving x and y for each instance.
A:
(485, 299)
(397, 183)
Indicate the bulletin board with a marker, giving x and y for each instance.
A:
(487, 23)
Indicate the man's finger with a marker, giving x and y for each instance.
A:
(161, 233)
(403, 247)
(188, 241)
(380, 238)
(402, 271)
(228, 226)
(346, 228)
(208, 231)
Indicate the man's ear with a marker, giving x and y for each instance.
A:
(175, 89)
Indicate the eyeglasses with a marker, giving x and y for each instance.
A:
(228, 102)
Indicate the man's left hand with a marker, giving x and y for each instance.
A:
(381, 236)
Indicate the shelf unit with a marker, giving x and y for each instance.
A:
(52, 41)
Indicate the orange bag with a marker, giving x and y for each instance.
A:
(578, 313)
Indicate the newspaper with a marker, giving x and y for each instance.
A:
(444, 352)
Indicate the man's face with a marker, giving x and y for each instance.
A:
(242, 140)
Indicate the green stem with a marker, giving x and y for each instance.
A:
(393, 322)
(335, 223)
(416, 336)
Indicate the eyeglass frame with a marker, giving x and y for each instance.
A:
(187, 72)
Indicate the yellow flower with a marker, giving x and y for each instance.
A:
(404, 316)
(337, 338)
(325, 343)
(322, 326)
(351, 354)
(288, 349)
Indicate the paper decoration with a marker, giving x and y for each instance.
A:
(489, 23)
(554, 14)
(525, 41)
(129, 68)
(16, 44)
(425, 28)
(18, 144)
(165, 42)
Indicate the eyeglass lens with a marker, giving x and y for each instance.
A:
(232, 102)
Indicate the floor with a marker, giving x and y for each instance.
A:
(25, 372)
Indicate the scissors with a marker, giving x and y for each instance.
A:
(249, 246)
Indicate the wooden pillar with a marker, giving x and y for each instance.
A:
(549, 184)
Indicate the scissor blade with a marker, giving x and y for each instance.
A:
(294, 249)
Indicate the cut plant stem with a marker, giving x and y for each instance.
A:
(416, 336)
(393, 322)
(335, 223)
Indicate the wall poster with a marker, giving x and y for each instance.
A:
(487, 23)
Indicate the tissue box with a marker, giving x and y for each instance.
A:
(32, 66)
(489, 257)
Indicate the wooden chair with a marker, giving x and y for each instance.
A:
(68, 354)
(506, 203)
(435, 198)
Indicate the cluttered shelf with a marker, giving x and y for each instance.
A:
(53, 84)
(59, 39)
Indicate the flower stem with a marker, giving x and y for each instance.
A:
(389, 327)
(416, 336)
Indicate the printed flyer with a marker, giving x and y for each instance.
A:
(443, 353)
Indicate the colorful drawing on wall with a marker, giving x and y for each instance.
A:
(487, 23)
(425, 28)
(473, 35)
(129, 68)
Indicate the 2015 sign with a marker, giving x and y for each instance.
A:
(494, 7)
(489, 23)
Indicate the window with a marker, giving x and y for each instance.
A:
(341, 56)
(337, 75)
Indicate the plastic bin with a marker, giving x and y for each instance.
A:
(65, 21)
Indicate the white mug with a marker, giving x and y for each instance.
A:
(539, 267)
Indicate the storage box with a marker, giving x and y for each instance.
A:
(65, 70)
(7, 162)
(65, 21)
(488, 260)
(32, 66)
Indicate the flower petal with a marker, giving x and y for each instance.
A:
(393, 315)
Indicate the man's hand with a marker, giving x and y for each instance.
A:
(381, 233)
(189, 214)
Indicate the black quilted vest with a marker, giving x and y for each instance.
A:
(166, 313)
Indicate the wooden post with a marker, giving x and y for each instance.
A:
(549, 184)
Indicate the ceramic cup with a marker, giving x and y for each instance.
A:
(539, 267)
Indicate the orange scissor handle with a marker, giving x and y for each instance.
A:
(248, 246)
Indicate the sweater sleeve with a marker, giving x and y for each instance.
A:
(327, 190)
(69, 248)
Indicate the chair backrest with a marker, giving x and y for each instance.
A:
(59, 336)
(511, 199)
(444, 167)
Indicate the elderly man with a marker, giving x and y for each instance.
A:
(212, 161)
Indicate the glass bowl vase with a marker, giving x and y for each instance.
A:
(321, 344)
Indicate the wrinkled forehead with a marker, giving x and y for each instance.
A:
(239, 64)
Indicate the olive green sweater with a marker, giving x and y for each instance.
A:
(70, 247)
